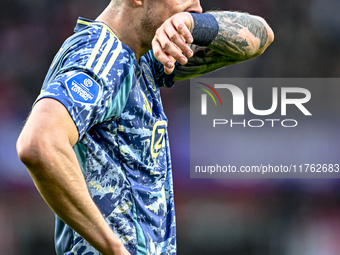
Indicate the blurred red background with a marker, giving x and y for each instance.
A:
(238, 217)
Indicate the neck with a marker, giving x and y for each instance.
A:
(121, 20)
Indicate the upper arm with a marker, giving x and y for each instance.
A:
(240, 37)
(50, 114)
(49, 125)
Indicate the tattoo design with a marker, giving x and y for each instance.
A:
(229, 35)
(204, 61)
(230, 46)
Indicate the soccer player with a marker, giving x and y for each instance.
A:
(96, 142)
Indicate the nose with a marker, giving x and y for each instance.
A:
(196, 7)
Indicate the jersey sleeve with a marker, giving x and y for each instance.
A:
(91, 75)
(88, 99)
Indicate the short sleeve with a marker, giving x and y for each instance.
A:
(87, 99)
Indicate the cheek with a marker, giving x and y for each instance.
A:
(173, 7)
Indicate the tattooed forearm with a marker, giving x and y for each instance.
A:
(204, 61)
(254, 26)
(240, 37)
(235, 32)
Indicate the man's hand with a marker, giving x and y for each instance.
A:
(170, 41)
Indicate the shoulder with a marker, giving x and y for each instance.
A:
(97, 49)
(93, 49)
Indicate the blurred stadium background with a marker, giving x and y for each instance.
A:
(237, 217)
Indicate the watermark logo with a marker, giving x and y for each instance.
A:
(265, 128)
(280, 99)
(204, 97)
(239, 99)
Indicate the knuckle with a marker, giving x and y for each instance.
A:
(158, 31)
(181, 26)
(173, 36)
(157, 53)
(167, 45)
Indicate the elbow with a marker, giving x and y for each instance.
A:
(270, 32)
(266, 39)
(270, 38)
(29, 152)
(259, 42)
(271, 35)
(33, 154)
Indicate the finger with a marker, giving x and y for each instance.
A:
(185, 36)
(170, 70)
(180, 35)
(165, 35)
(160, 55)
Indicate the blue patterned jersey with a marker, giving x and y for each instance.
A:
(123, 147)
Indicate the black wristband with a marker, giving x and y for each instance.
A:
(205, 28)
